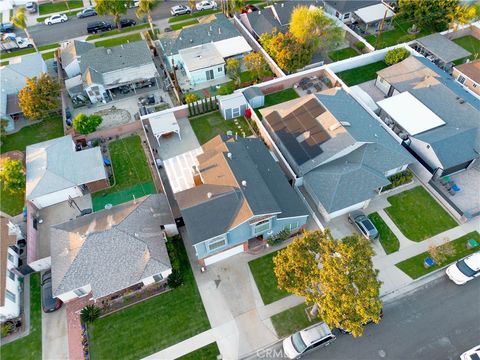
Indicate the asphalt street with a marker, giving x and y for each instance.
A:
(74, 27)
(438, 321)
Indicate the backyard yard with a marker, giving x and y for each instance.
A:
(12, 204)
(30, 346)
(131, 172)
(212, 124)
(265, 279)
(294, 319)
(418, 215)
(342, 54)
(388, 239)
(209, 352)
(154, 324)
(280, 97)
(361, 74)
(415, 268)
(470, 44)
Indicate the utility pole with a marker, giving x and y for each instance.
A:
(382, 23)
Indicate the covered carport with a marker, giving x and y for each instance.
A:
(163, 124)
(371, 17)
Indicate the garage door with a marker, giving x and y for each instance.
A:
(223, 255)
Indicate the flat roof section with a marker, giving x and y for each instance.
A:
(410, 113)
(201, 57)
(374, 13)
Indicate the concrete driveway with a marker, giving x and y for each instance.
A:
(54, 335)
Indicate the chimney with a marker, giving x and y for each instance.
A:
(229, 155)
(244, 183)
(209, 195)
(219, 30)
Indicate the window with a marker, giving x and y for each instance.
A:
(10, 296)
(10, 257)
(261, 226)
(216, 243)
(461, 79)
(346, 16)
(475, 85)
(79, 292)
(235, 112)
(220, 69)
(11, 275)
(158, 277)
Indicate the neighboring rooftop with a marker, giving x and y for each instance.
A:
(443, 48)
(345, 6)
(201, 56)
(264, 21)
(471, 69)
(74, 49)
(252, 92)
(113, 249)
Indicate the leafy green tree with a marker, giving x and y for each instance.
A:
(115, 8)
(462, 15)
(256, 64)
(86, 124)
(427, 13)
(12, 176)
(89, 314)
(20, 21)
(233, 70)
(310, 26)
(191, 97)
(145, 7)
(3, 126)
(396, 55)
(39, 97)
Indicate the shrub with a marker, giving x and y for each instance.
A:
(279, 237)
(89, 314)
(86, 124)
(440, 253)
(6, 329)
(175, 279)
(399, 179)
(226, 89)
(396, 55)
(191, 97)
(360, 45)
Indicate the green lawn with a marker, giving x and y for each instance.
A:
(414, 268)
(154, 324)
(12, 204)
(209, 352)
(119, 40)
(47, 129)
(262, 271)
(48, 55)
(388, 239)
(210, 125)
(4, 63)
(418, 215)
(289, 321)
(194, 15)
(41, 19)
(30, 346)
(116, 31)
(51, 7)
(183, 24)
(247, 76)
(361, 74)
(342, 54)
(280, 97)
(471, 44)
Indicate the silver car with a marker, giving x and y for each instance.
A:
(363, 224)
(180, 10)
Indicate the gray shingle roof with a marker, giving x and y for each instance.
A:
(284, 9)
(344, 6)
(264, 21)
(252, 92)
(74, 49)
(111, 250)
(443, 48)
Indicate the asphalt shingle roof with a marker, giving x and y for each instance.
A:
(443, 48)
(74, 49)
(264, 21)
(345, 6)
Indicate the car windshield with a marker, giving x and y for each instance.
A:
(465, 269)
(298, 343)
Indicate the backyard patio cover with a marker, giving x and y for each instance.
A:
(374, 13)
(163, 124)
(443, 48)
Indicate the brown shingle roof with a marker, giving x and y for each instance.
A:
(471, 69)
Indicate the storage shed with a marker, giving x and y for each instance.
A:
(232, 106)
(255, 97)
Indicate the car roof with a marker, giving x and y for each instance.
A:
(473, 261)
(315, 333)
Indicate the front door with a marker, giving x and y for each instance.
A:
(209, 74)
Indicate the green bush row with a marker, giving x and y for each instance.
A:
(202, 106)
(399, 179)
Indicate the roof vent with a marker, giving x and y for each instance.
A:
(209, 195)
(283, 5)
(219, 30)
(229, 155)
(345, 123)
(334, 126)
(180, 38)
(259, 12)
(244, 183)
(211, 28)
(461, 101)
(191, 41)
(208, 33)
(109, 51)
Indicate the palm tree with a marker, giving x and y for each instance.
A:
(116, 8)
(20, 21)
(145, 7)
(462, 15)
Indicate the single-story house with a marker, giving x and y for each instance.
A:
(255, 97)
(70, 56)
(232, 106)
(242, 198)
(340, 154)
(447, 140)
(9, 280)
(440, 49)
(468, 75)
(113, 249)
(202, 63)
(13, 79)
(345, 9)
(57, 172)
(370, 18)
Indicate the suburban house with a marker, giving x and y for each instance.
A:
(241, 198)
(340, 154)
(200, 52)
(13, 79)
(371, 18)
(103, 72)
(447, 140)
(468, 75)
(57, 172)
(113, 249)
(344, 9)
(9, 280)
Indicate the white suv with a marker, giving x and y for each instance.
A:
(206, 5)
(304, 341)
(465, 270)
(56, 19)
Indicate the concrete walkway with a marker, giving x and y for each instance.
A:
(54, 335)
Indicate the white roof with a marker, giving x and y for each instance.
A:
(410, 113)
(201, 57)
(374, 13)
(163, 123)
(54, 165)
(358, 92)
(232, 101)
(233, 46)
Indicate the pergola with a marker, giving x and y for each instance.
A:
(162, 124)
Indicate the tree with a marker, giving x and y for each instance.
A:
(396, 55)
(349, 287)
(20, 21)
(145, 7)
(310, 26)
(233, 70)
(12, 176)
(462, 15)
(191, 4)
(86, 124)
(286, 50)
(256, 64)
(39, 97)
(89, 314)
(191, 97)
(3, 126)
(115, 8)
(226, 89)
(427, 13)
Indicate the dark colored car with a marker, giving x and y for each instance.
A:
(363, 224)
(127, 22)
(368, 322)
(249, 8)
(68, 117)
(7, 27)
(98, 26)
(49, 303)
(87, 12)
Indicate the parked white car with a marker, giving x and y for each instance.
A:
(206, 5)
(56, 19)
(472, 354)
(304, 341)
(465, 270)
(180, 10)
